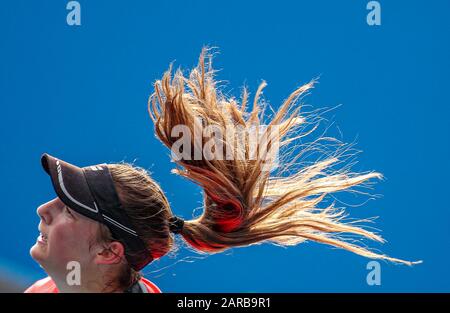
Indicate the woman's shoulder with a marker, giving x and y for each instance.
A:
(45, 285)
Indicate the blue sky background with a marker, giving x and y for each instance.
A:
(80, 93)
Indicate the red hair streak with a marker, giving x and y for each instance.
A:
(231, 214)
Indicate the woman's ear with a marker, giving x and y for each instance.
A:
(112, 253)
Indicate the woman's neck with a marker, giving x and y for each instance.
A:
(90, 282)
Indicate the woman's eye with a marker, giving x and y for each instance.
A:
(68, 211)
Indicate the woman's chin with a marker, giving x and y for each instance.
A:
(38, 252)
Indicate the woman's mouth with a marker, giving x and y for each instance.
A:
(42, 239)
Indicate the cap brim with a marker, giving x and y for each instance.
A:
(70, 185)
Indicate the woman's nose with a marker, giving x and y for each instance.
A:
(44, 212)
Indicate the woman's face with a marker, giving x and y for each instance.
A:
(65, 236)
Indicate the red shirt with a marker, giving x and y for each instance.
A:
(47, 285)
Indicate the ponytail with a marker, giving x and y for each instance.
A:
(243, 203)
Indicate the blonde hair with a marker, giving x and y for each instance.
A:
(243, 203)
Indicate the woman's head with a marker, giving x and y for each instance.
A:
(79, 234)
